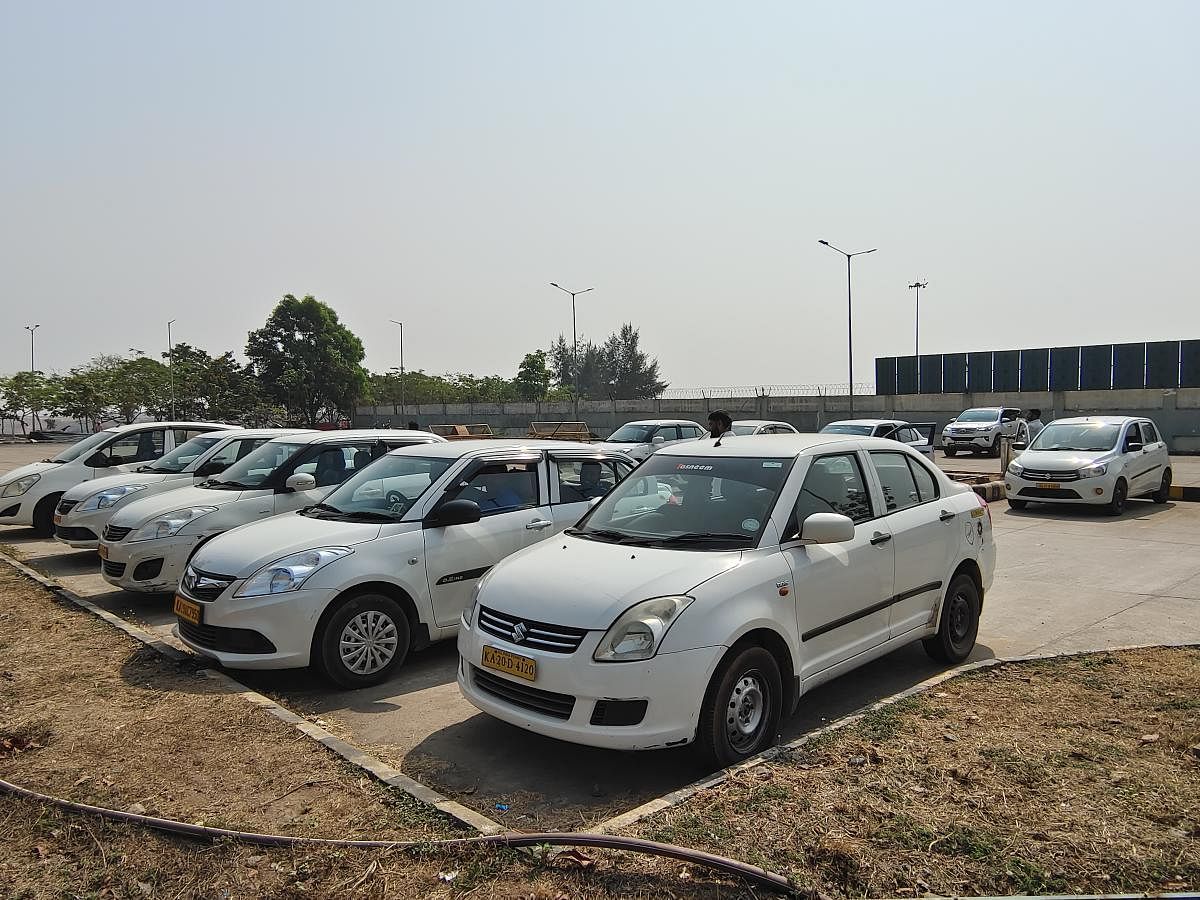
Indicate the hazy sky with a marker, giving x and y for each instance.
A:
(1038, 163)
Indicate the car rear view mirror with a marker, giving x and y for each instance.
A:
(827, 528)
(98, 461)
(658, 439)
(454, 512)
(1019, 445)
(301, 481)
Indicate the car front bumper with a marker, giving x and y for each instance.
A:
(1081, 490)
(120, 562)
(17, 511)
(81, 530)
(982, 441)
(671, 684)
(271, 632)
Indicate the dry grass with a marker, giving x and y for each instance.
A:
(1070, 776)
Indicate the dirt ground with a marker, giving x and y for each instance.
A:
(1067, 776)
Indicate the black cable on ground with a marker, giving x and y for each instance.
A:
(750, 873)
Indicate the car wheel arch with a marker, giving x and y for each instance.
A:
(418, 631)
(970, 568)
(775, 644)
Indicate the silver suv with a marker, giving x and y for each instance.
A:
(979, 430)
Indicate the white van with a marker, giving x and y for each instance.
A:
(146, 545)
(29, 494)
(85, 509)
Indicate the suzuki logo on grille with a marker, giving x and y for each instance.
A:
(519, 632)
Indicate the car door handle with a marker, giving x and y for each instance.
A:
(538, 525)
(946, 515)
(880, 538)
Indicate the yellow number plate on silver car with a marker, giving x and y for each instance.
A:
(509, 663)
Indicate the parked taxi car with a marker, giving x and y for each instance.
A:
(776, 564)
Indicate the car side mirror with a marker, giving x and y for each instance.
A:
(98, 461)
(454, 512)
(1019, 445)
(1134, 447)
(212, 467)
(827, 528)
(301, 481)
(594, 501)
(658, 439)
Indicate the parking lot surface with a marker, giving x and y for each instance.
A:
(1067, 579)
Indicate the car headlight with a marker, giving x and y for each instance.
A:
(106, 498)
(170, 524)
(1014, 469)
(20, 486)
(640, 629)
(290, 573)
(1093, 471)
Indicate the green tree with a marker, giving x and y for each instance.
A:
(136, 386)
(533, 377)
(307, 361)
(618, 368)
(26, 395)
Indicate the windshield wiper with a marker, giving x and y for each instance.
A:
(704, 537)
(373, 515)
(608, 534)
(228, 485)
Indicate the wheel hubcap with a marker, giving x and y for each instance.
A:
(746, 710)
(960, 618)
(368, 642)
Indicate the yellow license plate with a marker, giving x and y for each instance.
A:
(57, 519)
(508, 663)
(1049, 485)
(103, 551)
(187, 610)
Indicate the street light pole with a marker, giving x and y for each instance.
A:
(574, 338)
(849, 315)
(171, 366)
(916, 286)
(401, 324)
(31, 329)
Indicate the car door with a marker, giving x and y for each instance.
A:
(841, 590)
(576, 481)
(1145, 466)
(514, 512)
(133, 449)
(924, 534)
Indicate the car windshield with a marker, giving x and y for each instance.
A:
(385, 490)
(744, 429)
(183, 456)
(252, 470)
(979, 415)
(1082, 436)
(691, 502)
(846, 428)
(84, 447)
(631, 434)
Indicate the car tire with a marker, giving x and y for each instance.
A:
(43, 515)
(994, 450)
(950, 453)
(742, 708)
(378, 637)
(1120, 494)
(1017, 504)
(1163, 494)
(959, 624)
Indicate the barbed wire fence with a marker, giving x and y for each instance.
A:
(833, 389)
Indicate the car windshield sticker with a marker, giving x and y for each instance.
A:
(749, 524)
(773, 464)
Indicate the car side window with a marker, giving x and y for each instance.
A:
(834, 484)
(694, 432)
(896, 478)
(235, 450)
(1149, 434)
(1132, 435)
(926, 484)
(908, 436)
(183, 435)
(142, 446)
(668, 432)
(501, 487)
(583, 479)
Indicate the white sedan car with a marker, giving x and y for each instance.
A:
(919, 436)
(776, 564)
(762, 426)
(85, 509)
(388, 561)
(146, 544)
(1094, 459)
(639, 439)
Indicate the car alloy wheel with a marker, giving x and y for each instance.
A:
(368, 642)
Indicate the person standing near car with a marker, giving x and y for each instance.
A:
(1034, 424)
(719, 423)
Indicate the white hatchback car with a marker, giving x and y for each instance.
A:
(762, 426)
(388, 561)
(1093, 459)
(640, 439)
(146, 544)
(85, 509)
(776, 564)
(28, 495)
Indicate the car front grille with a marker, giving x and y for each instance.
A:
(528, 633)
(225, 640)
(65, 506)
(1047, 475)
(114, 569)
(546, 703)
(1034, 493)
(74, 534)
(115, 534)
(204, 586)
